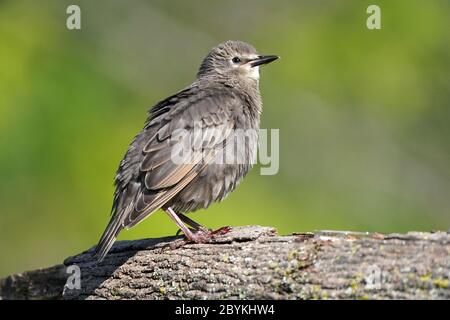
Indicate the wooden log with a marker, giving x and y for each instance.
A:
(252, 262)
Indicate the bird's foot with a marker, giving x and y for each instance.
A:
(204, 235)
(221, 231)
(181, 231)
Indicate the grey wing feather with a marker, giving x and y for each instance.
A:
(147, 177)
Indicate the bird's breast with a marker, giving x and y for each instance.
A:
(220, 177)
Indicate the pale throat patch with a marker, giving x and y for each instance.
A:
(254, 73)
(251, 72)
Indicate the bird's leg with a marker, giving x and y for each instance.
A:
(200, 234)
(187, 232)
(196, 226)
(179, 231)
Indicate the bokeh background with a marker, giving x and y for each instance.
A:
(364, 116)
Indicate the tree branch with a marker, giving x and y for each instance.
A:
(253, 262)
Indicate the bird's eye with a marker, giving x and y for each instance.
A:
(236, 60)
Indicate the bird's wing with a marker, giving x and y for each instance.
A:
(203, 128)
(207, 120)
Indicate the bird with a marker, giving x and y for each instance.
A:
(223, 99)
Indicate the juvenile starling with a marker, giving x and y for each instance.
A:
(223, 99)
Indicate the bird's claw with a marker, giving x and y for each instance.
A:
(202, 235)
(221, 231)
(205, 235)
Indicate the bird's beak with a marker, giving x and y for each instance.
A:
(263, 60)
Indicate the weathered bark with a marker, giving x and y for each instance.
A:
(254, 263)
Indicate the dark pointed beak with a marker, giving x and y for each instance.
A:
(263, 60)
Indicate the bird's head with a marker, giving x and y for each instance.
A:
(234, 59)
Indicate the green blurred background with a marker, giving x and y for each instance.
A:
(364, 116)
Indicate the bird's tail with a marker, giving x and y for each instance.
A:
(107, 239)
(122, 207)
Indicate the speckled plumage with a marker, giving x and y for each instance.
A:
(223, 97)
